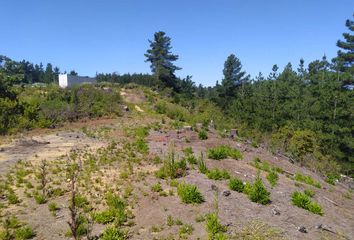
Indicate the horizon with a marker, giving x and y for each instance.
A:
(90, 37)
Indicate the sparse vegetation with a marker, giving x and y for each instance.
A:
(217, 174)
(224, 151)
(307, 179)
(202, 134)
(272, 178)
(189, 193)
(236, 184)
(303, 201)
(258, 193)
(215, 230)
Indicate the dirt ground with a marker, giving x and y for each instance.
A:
(151, 209)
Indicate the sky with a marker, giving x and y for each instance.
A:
(104, 36)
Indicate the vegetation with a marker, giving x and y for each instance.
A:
(236, 184)
(258, 193)
(189, 193)
(223, 151)
(272, 178)
(214, 228)
(202, 134)
(303, 201)
(306, 179)
(217, 174)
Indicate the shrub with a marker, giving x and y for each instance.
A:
(217, 174)
(224, 151)
(191, 159)
(24, 233)
(113, 233)
(40, 199)
(214, 228)
(309, 192)
(202, 135)
(172, 168)
(307, 179)
(236, 184)
(186, 229)
(272, 178)
(201, 164)
(53, 207)
(156, 187)
(12, 198)
(115, 213)
(303, 201)
(258, 193)
(189, 193)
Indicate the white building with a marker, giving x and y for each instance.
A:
(66, 80)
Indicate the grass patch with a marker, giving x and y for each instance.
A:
(306, 179)
(156, 187)
(301, 200)
(272, 178)
(217, 174)
(260, 231)
(236, 184)
(113, 233)
(214, 228)
(203, 135)
(189, 193)
(224, 151)
(172, 168)
(115, 213)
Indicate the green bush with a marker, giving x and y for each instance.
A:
(258, 193)
(272, 178)
(217, 174)
(202, 135)
(236, 184)
(307, 179)
(201, 164)
(113, 233)
(224, 151)
(23, 233)
(115, 213)
(189, 193)
(214, 228)
(156, 187)
(40, 199)
(309, 192)
(303, 201)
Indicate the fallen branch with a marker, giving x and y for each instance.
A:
(329, 200)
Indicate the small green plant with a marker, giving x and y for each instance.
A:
(236, 184)
(53, 207)
(172, 168)
(113, 233)
(12, 198)
(40, 198)
(224, 151)
(24, 232)
(170, 221)
(307, 179)
(188, 151)
(303, 201)
(272, 178)
(309, 192)
(201, 164)
(186, 229)
(258, 193)
(214, 228)
(200, 218)
(217, 174)
(191, 159)
(189, 193)
(202, 135)
(156, 187)
(115, 213)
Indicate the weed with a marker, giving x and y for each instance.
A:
(113, 233)
(307, 179)
(25, 232)
(200, 218)
(189, 193)
(309, 192)
(201, 164)
(186, 229)
(12, 198)
(272, 178)
(236, 184)
(170, 221)
(40, 199)
(188, 151)
(156, 187)
(214, 228)
(217, 174)
(53, 207)
(202, 135)
(155, 228)
(303, 201)
(258, 230)
(224, 151)
(172, 168)
(258, 193)
(191, 159)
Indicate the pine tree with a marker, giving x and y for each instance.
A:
(345, 59)
(161, 59)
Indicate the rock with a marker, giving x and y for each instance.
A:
(214, 187)
(125, 108)
(302, 229)
(233, 133)
(226, 193)
(2, 150)
(275, 211)
(187, 128)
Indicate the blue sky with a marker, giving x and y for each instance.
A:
(105, 35)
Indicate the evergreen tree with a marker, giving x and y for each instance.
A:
(345, 57)
(161, 59)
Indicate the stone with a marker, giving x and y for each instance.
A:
(214, 187)
(275, 211)
(233, 133)
(226, 193)
(302, 229)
